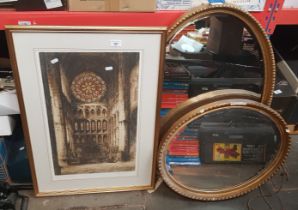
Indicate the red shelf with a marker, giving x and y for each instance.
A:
(271, 16)
(160, 18)
(287, 17)
(163, 18)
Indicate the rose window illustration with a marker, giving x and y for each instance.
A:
(88, 87)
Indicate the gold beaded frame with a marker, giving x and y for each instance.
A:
(251, 24)
(190, 113)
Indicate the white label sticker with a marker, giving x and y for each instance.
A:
(116, 43)
(55, 60)
(109, 68)
(51, 4)
(276, 92)
(24, 23)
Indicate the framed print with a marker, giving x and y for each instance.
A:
(89, 100)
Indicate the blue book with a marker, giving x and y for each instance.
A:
(170, 87)
(185, 163)
(182, 159)
(176, 84)
(163, 112)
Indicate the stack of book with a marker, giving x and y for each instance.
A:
(175, 87)
(184, 148)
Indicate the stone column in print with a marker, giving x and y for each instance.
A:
(58, 119)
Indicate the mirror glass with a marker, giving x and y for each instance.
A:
(215, 52)
(222, 148)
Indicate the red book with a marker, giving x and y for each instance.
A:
(185, 142)
(184, 145)
(172, 95)
(168, 91)
(173, 100)
(168, 105)
(185, 149)
(190, 149)
(178, 153)
(186, 138)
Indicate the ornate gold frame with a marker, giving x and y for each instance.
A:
(252, 24)
(81, 29)
(191, 112)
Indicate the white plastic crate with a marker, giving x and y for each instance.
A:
(6, 125)
(290, 4)
(249, 5)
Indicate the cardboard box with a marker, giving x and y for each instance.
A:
(179, 4)
(112, 5)
(40, 5)
(225, 36)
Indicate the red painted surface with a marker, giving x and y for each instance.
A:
(272, 15)
(160, 18)
(272, 9)
(287, 17)
(164, 18)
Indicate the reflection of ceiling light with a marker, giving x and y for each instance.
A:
(109, 68)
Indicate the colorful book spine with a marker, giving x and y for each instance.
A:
(182, 159)
(172, 95)
(183, 149)
(174, 100)
(185, 163)
(184, 153)
(175, 85)
(184, 142)
(164, 111)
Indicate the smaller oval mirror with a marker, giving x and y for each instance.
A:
(223, 149)
(219, 47)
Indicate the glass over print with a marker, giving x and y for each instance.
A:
(89, 105)
(93, 106)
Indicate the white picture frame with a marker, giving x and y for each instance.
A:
(89, 100)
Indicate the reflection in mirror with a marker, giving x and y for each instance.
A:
(215, 52)
(222, 149)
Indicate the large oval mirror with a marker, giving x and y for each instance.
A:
(219, 47)
(222, 149)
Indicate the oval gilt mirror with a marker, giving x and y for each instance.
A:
(220, 47)
(222, 149)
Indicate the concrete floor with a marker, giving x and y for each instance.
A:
(165, 199)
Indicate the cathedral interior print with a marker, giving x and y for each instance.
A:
(92, 105)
